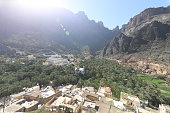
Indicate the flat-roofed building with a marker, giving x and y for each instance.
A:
(18, 95)
(89, 104)
(105, 91)
(13, 108)
(164, 108)
(70, 108)
(129, 99)
(90, 96)
(88, 89)
(21, 105)
(28, 104)
(32, 95)
(58, 101)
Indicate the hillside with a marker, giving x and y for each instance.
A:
(53, 28)
(144, 42)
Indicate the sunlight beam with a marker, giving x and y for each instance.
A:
(39, 3)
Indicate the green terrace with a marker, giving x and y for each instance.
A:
(163, 85)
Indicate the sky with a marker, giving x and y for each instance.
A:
(110, 12)
(113, 12)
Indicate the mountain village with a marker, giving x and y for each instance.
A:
(71, 99)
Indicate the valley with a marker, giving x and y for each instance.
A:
(60, 61)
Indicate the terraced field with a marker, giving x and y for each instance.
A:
(162, 84)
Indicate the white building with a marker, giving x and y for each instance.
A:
(56, 60)
(164, 108)
(31, 57)
(80, 70)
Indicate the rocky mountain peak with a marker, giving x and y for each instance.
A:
(145, 38)
(147, 16)
(81, 14)
(116, 28)
(50, 29)
(100, 23)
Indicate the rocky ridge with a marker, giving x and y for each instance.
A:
(146, 38)
(57, 29)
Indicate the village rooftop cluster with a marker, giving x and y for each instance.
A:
(71, 99)
(51, 59)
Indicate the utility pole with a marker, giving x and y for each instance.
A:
(4, 106)
(109, 108)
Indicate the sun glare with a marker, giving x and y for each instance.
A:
(39, 3)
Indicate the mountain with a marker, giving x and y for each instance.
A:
(144, 42)
(57, 29)
(5, 50)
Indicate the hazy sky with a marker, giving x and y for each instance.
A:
(111, 12)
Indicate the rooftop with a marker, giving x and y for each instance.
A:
(129, 96)
(91, 89)
(69, 106)
(59, 101)
(47, 92)
(12, 108)
(29, 104)
(89, 104)
(79, 98)
(17, 95)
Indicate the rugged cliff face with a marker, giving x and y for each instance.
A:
(146, 38)
(160, 14)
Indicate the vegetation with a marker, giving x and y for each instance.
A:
(98, 72)
(15, 76)
(105, 73)
(162, 84)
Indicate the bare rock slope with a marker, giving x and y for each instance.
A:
(146, 38)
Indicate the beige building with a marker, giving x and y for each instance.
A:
(21, 105)
(105, 91)
(12, 109)
(164, 108)
(63, 104)
(90, 96)
(129, 99)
